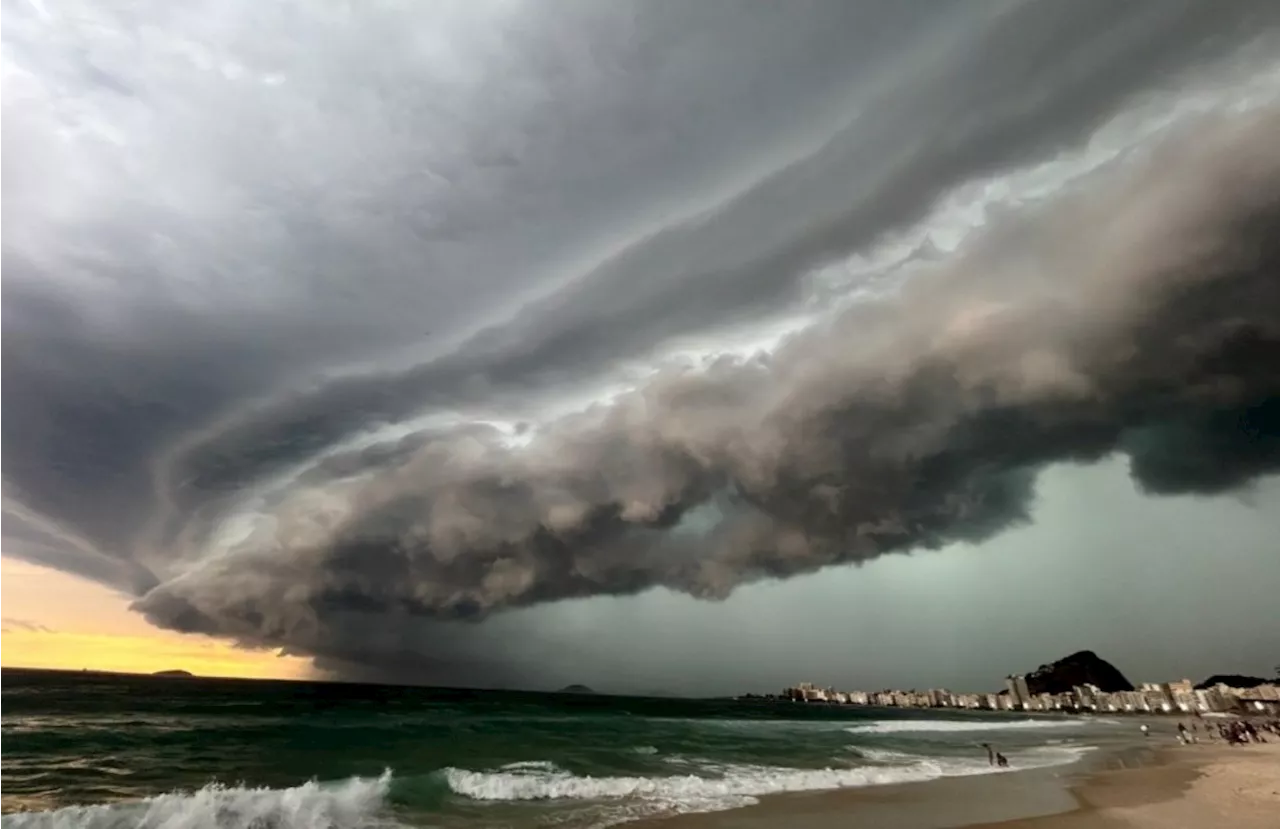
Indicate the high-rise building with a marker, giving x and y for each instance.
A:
(1019, 693)
(1015, 696)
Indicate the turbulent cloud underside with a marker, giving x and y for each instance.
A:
(334, 349)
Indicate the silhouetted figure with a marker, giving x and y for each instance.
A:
(1002, 761)
(991, 754)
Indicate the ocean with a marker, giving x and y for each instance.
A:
(94, 750)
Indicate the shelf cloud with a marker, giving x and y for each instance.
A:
(348, 334)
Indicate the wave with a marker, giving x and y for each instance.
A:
(739, 785)
(350, 804)
(524, 766)
(906, 726)
(729, 785)
(1027, 758)
(358, 803)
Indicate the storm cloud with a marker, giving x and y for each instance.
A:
(341, 333)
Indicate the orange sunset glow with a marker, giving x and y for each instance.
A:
(54, 620)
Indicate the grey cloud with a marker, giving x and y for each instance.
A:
(209, 238)
(1063, 336)
(977, 104)
(213, 289)
(383, 647)
(1100, 566)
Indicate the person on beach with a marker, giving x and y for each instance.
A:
(1145, 730)
(1001, 761)
(1251, 733)
(991, 754)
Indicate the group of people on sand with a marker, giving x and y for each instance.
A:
(1243, 732)
(1232, 732)
(995, 758)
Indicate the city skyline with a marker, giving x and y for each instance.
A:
(1173, 697)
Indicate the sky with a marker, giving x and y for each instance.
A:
(695, 348)
(84, 625)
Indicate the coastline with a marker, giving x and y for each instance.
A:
(1124, 787)
(1196, 786)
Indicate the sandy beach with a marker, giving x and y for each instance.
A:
(1170, 787)
(1198, 786)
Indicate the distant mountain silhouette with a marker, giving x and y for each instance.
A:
(1080, 668)
(1233, 680)
(576, 689)
(173, 673)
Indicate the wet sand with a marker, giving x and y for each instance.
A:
(1171, 787)
(1196, 786)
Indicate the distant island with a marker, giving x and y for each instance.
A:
(576, 689)
(175, 673)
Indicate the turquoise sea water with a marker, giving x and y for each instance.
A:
(118, 751)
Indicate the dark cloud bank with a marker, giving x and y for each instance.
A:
(1134, 312)
(907, 422)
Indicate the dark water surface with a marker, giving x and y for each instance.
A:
(112, 750)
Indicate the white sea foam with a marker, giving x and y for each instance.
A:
(906, 726)
(351, 804)
(357, 803)
(726, 786)
(884, 755)
(1028, 758)
(525, 766)
(738, 783)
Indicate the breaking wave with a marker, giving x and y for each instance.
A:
(905, 726)
(350, 804)
(359, 803)
(726, 786)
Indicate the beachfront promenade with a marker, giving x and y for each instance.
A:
(1150, 698)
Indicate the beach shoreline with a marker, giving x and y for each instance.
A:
(1203, 785)
(1137, 786)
